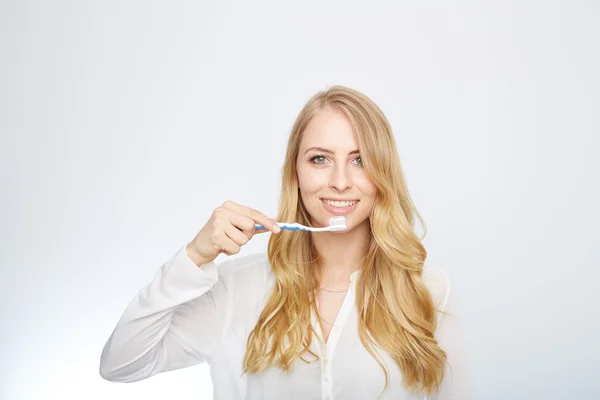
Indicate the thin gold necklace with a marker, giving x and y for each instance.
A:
(333, 291)
(326, 321)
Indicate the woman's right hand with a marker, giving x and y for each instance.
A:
(229, 228)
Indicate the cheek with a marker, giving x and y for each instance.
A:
(309, 181)
(366, 187)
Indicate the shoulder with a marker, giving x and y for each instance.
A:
(438, 282)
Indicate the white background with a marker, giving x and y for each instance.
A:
(124, 124)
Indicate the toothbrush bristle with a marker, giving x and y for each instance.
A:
(337, 223)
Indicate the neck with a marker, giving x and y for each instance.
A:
(341, 254)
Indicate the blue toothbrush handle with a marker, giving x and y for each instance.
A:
(282, 226)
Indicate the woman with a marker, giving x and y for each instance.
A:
(354, 314)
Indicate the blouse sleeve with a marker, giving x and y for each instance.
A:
(173, 322)
(456, 384)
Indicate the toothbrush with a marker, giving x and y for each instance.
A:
(335, 224)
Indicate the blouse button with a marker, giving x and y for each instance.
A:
(326, 378)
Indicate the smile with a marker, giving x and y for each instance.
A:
(335, 203)
(336, 207)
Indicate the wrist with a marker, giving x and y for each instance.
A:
(194, 256)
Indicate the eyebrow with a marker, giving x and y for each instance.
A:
(328, 151)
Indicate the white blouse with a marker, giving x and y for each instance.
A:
(188, 315)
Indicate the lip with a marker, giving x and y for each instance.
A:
(340, 210)
(334, 199)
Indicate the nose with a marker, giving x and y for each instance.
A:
(339, 179)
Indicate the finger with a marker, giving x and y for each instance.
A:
(256, 215)
(245, 224)
(262, 229)
(240, 222)
(228, 246)
(239, 237)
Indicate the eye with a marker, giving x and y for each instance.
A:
(314, 159)
(358, 158)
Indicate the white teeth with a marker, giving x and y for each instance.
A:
(340, 203)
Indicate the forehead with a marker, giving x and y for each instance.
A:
(329, 129)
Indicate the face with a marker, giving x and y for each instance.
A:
(331, 177)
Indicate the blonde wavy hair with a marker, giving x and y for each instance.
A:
(395, 308)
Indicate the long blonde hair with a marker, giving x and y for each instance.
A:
(396, 311)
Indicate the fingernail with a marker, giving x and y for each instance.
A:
(276, 228)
